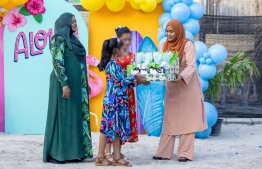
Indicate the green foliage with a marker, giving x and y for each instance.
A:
(238, 70)
(24, 11)
(38, 18)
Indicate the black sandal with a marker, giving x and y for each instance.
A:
(50, 159)
(183, 159)
(160, 158)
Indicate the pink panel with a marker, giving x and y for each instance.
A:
(2, 91)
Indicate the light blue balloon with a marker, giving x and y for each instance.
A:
(160, 29)
(161, 42)
(189, 36)
(187, 2)
(161, 35)
(209, 61)
(164, 25)
(206, 55)
(201, 48)
(167, 5)
(204, 134)
(177, 1)
(180, 12)
(196, 10)
(207, 71)
(204, 84)
(202, 60)
(218, 53)
(163, 18)
(211, 114)
(147, 45)
(197, 65)
(191, 25)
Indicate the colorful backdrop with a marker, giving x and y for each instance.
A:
(27, 76)
(102, 24)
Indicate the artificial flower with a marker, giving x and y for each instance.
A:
(2, 15)
(35, 7)
(14, 19)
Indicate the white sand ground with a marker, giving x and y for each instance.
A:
(237, 147)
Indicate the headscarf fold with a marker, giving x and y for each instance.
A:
(180, 39)
(63, 27)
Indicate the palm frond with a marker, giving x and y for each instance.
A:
(238, 70)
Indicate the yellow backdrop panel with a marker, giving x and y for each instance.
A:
(102, 26)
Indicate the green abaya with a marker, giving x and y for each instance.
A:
(68, 133)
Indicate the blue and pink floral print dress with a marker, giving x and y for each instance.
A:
(115, 116)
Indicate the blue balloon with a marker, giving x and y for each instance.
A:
(211, 114)
(191, 25)
(164, 25)
(197, 65)
(206, 55)
(163, 18)
(187, 2)
(204, 84)
(160, 29)
(167, 5)
(202, 60)
(189, 36)
(196, 10)
(161, 35)
(218, 53)
(203, 134)
(201, 48)
(209, 61)
(180, 12)
(207, 71)
(177, 1)
(147, 45)
(161, 42)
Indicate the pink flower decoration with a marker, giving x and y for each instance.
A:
(35, 7)
(14, 19)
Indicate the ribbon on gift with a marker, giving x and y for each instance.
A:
(173, 59)
(153, 65)
(129, 68)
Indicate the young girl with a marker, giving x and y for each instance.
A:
(115, 123)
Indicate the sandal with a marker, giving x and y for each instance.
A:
(126, 164)
(160, 158)
(99, 162)
(123, 157)
(110, 159)
(183, 159)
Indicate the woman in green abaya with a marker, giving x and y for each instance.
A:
(68, 133)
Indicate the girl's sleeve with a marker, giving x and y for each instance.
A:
(190, 56)
(57, 48)
(119, 76)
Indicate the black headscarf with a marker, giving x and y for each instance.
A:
(63, 27)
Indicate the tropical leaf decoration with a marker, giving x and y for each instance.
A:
(151, 98)
(238, 70)
(151, 106)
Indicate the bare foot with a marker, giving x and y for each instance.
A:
(123, 162)
(122, 156)
(109, 156)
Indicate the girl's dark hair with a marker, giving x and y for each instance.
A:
(122, 30)
(107, 51)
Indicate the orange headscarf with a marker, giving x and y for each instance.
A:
(180, 40)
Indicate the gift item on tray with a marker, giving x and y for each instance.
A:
(156, 66)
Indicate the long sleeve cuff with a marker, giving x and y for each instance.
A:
(64, 83)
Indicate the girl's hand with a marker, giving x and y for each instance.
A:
(140, 78)
(66, 92)
(179, 78)
(146, 83)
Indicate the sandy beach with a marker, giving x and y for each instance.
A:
(239, 146)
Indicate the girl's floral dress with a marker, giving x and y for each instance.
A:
(115, 119)
(124, 61)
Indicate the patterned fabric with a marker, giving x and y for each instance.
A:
(124, 61)
(57, 47)
(115, 119)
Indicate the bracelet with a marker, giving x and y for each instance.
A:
(65, 87)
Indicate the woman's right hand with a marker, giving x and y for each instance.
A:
(141, 79)
(66, 92)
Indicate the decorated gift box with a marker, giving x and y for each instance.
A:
(156, 66)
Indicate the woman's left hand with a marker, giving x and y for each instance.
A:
(89, 90)
(179, 78)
